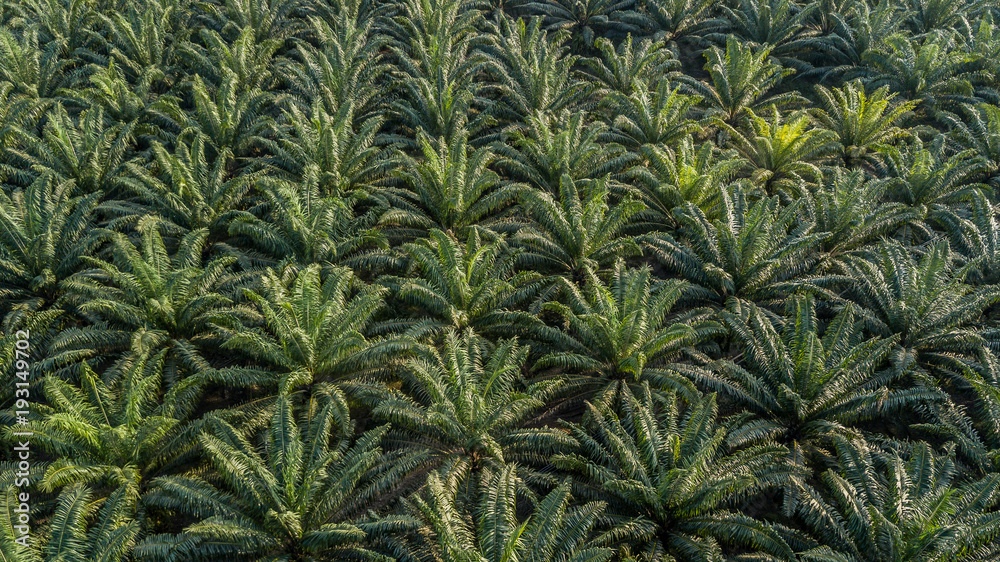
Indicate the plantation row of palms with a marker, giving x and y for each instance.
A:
(551, 280)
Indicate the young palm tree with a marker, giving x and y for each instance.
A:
(619, 335)
(978, 129)
(752, 252)
(782, 155)
(531, 69)
(852, 209)
(668, 479)
(863, 124)
(186, 188)
(494, 529)
(629, 68)
(144, 301)
(450, 188)
(909, 510)
(676, 175)
(297, 495)
(552, 146)
(464, 407)
(803, 385)
(776, 24)
(576, 233)
(44, 232)
(643, 120)
(586, 20)
(307, 327)
(925, 303)
(672, 20)
(741, 80)
(451, 285)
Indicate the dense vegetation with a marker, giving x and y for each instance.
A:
(502, 280)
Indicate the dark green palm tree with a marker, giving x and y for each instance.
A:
(451, 188)
(307, 327)
(669, 480)
(532, 71)
(642, 119)
(925, 303)
(453, 285)
(145, 300)
(741, 80)
(869, 509)
(755, 252)
(621, 334)
(296, 490)
(630, 67)
(577, 232)
(44, 232)
(978, 129)
(551, 146)
(802, 385)
(464, 407)
(586, 20)
(495, 529)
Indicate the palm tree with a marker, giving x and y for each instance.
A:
(450, 188)
(629, 68)
(863, 124)
(451, 285)
(307, 328)
(776, 24)
(531, 69)
(672, 20)
(928, 71)
(781, 154)
(298, 494)
(909, 510)
(464, 407)
(679, 174)
(800, 385)
(144, 301)
(494, 528)
(668, 479)
(44, 232)
(752, 252)
(586, 20)
(978, 129)
(304, 226)
(925, 303)
(80, 528)
(186, 189)
(438, 59)
(111, 437)
(741, 80)
(348, 158)
(619, 335)
(852, 209)
(551, 146)
(575, 233)
(642, 120)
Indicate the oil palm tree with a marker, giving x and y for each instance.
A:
(660, 118)
(294, 490)
(863, 124)
(577, 232)
(450, 188)
(752, 251)
(803, 385)
(629, 67)
(463, 407)
(453, 285)
(307, 327)
(741, 80)
(782, 154)
(669, 480)
(44, 232)
(145, 300)
(494, 529)
(621, 334)
(925, 303)
(899, 509)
